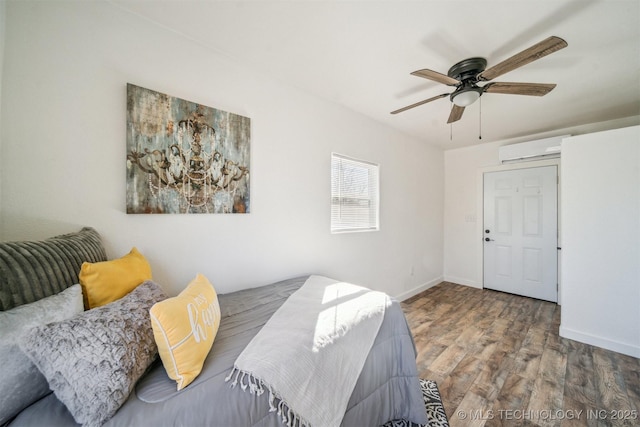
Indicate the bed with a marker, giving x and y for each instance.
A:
(386, 389)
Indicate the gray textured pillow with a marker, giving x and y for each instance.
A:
(92, 361)
(21, 382)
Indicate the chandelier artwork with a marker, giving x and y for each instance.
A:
(183, 157)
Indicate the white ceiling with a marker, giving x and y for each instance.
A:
(360, 53)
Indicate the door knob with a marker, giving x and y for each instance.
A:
(486, 239)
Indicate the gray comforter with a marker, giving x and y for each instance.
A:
(387, 389)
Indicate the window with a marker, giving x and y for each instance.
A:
(354, 195)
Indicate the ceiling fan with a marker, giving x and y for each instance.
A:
(466, 74)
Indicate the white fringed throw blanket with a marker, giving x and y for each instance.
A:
(309, 355)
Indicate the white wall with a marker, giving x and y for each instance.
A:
(463, 199)
(601, 239)
(3, 12)
(461, 256)
(63, 158)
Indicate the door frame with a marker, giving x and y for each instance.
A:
(480, 210)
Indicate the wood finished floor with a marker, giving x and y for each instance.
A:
(498, 361)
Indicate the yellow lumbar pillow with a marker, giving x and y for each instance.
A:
(107, 281)
(184, 328)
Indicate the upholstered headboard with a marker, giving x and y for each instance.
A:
(30, 271)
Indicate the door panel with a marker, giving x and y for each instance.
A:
(503, 215)
(532, 265)
(532, 216)
(503, 261)
(520, 239)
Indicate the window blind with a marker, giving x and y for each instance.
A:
(354, 194)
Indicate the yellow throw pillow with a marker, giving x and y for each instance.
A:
(184, 328)
(107, 281)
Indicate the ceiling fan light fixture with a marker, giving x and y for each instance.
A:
(465, 98)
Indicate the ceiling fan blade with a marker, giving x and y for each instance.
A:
(456, 114)
(531, 54)
(436, 77)
(532, 89)
(419, 103)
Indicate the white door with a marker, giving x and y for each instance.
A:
(521, 232)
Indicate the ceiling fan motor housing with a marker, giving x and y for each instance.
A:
(468, 69)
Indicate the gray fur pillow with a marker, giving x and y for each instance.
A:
(22, 383)
(92, 361)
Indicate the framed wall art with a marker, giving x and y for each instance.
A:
(184, 157)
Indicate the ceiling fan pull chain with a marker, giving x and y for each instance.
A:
(480, 129)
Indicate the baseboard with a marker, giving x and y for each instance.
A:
(415, 291)
(608, 344)
(461, 281)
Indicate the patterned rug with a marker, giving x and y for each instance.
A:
(433, 405)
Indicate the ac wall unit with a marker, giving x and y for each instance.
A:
(531, 150)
